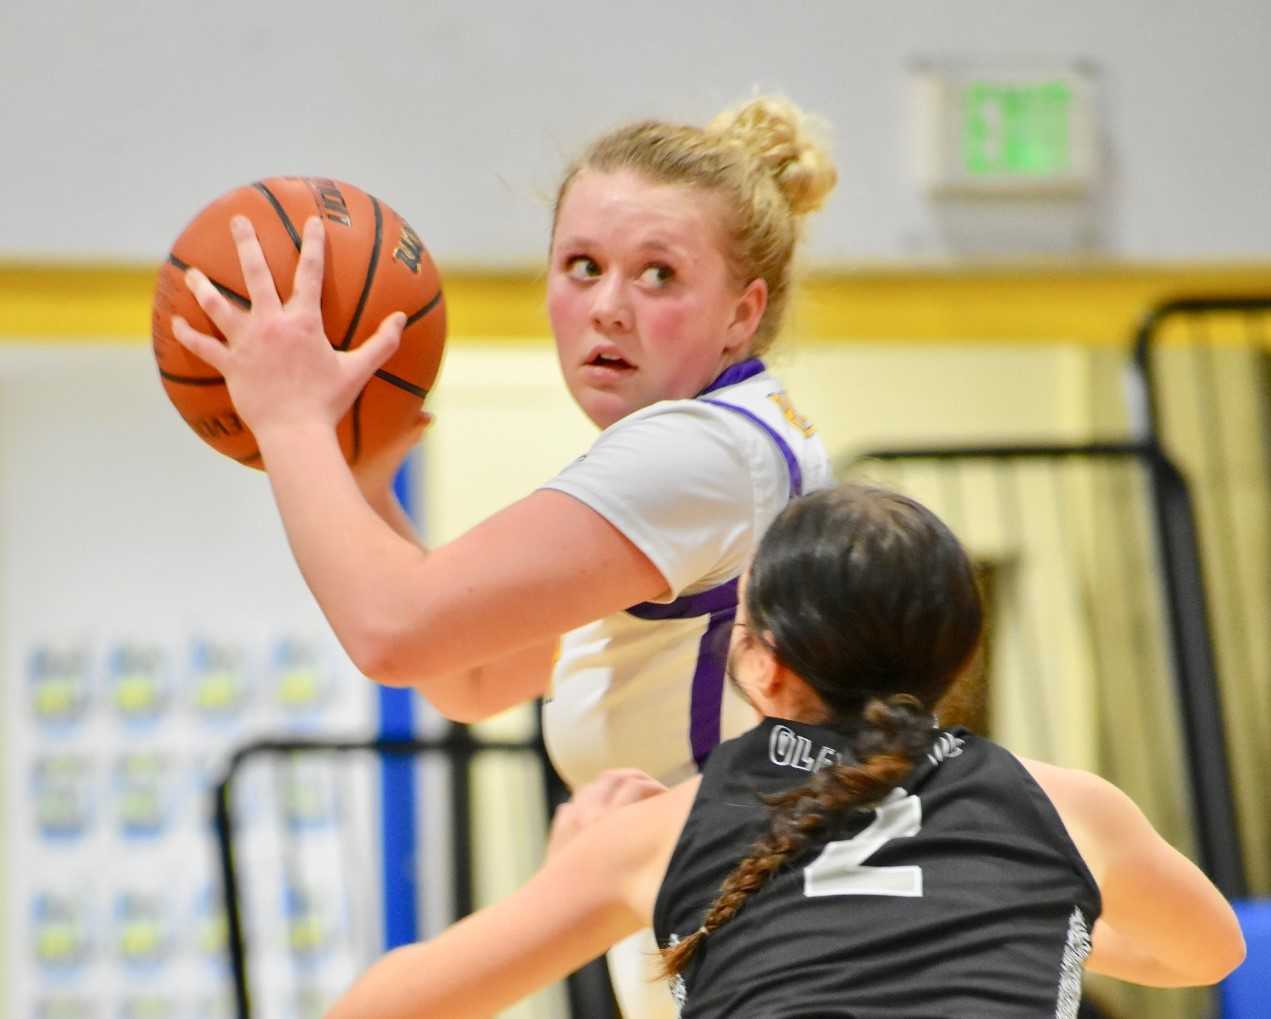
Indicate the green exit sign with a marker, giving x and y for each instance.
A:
(1004, 128)
(1017, 129)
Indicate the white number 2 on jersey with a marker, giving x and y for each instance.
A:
(840, 868)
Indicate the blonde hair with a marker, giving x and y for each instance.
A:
(764, 161)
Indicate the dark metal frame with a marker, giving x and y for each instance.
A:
(1187, 620)
(588, 989)
(1192, 644)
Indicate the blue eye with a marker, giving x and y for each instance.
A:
(582, 267)
(657, 274)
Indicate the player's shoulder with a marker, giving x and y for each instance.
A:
(1069, 782)
(1087, 802)
(684, 429)
(1059, 783)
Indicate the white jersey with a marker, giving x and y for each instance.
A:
(693, 484)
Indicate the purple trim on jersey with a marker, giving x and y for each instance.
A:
(739, 372)
(792, 463)
(706, 697)
(708, 602)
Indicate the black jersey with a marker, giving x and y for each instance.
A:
(961, 895)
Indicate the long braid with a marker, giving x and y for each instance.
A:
(867, 598)
(895, 734)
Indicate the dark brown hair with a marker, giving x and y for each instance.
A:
(869, 598)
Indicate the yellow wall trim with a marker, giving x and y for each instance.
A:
(1093, 304)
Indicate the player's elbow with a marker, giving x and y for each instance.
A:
(379, 653)
(1221, 952)
(1227, 953)
(1217, 944)
(373, 655)
(459, 711)
(456, 697)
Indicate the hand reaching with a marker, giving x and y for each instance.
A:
(615, 788)
(375, 474)
(281, 369)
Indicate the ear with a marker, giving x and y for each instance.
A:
(767, 670)
(746, 315)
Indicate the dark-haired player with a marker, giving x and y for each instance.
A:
(846, 858)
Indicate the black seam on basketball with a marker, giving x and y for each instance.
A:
(401, 383)
(282, 213)
(411, 320)
(226, 292)
(370, 276)
(192, 380)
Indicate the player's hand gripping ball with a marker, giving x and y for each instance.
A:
(375, 264)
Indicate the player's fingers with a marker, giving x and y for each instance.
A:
(223, 314)
(307, 286)
(207, 348)
(408, 438)
(620, 786)
(380, 346)
(564, 820)
(636, 790)
(260, 281)
(397, 448)
(618, 777)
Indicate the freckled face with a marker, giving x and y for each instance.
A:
(640, 298)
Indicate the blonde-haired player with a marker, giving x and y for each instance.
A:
(670, 270)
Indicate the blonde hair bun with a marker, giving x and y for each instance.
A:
(788, 142)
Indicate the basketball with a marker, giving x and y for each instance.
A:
(375, 264)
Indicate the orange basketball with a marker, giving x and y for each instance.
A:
(375, 264)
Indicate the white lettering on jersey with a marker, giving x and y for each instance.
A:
(676, 985)
(946, 745)
(1076, 947)
(788, 749)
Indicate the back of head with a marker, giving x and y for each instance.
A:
(764, 162)
(870, 599)
(867, 595)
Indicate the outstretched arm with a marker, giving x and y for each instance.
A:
(484, 690)
(540, 567)
(1163, 923)
(594, 890)
(555, 924)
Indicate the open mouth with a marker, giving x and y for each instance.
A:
(611, 361)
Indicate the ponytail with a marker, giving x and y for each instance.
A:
(895, 735)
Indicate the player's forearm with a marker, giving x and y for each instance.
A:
(567, 914)
(362, 572)
(388, 509)
(1168, 911)
(414, 982)
(1121, 956)
(483, 691)
(384, 600)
